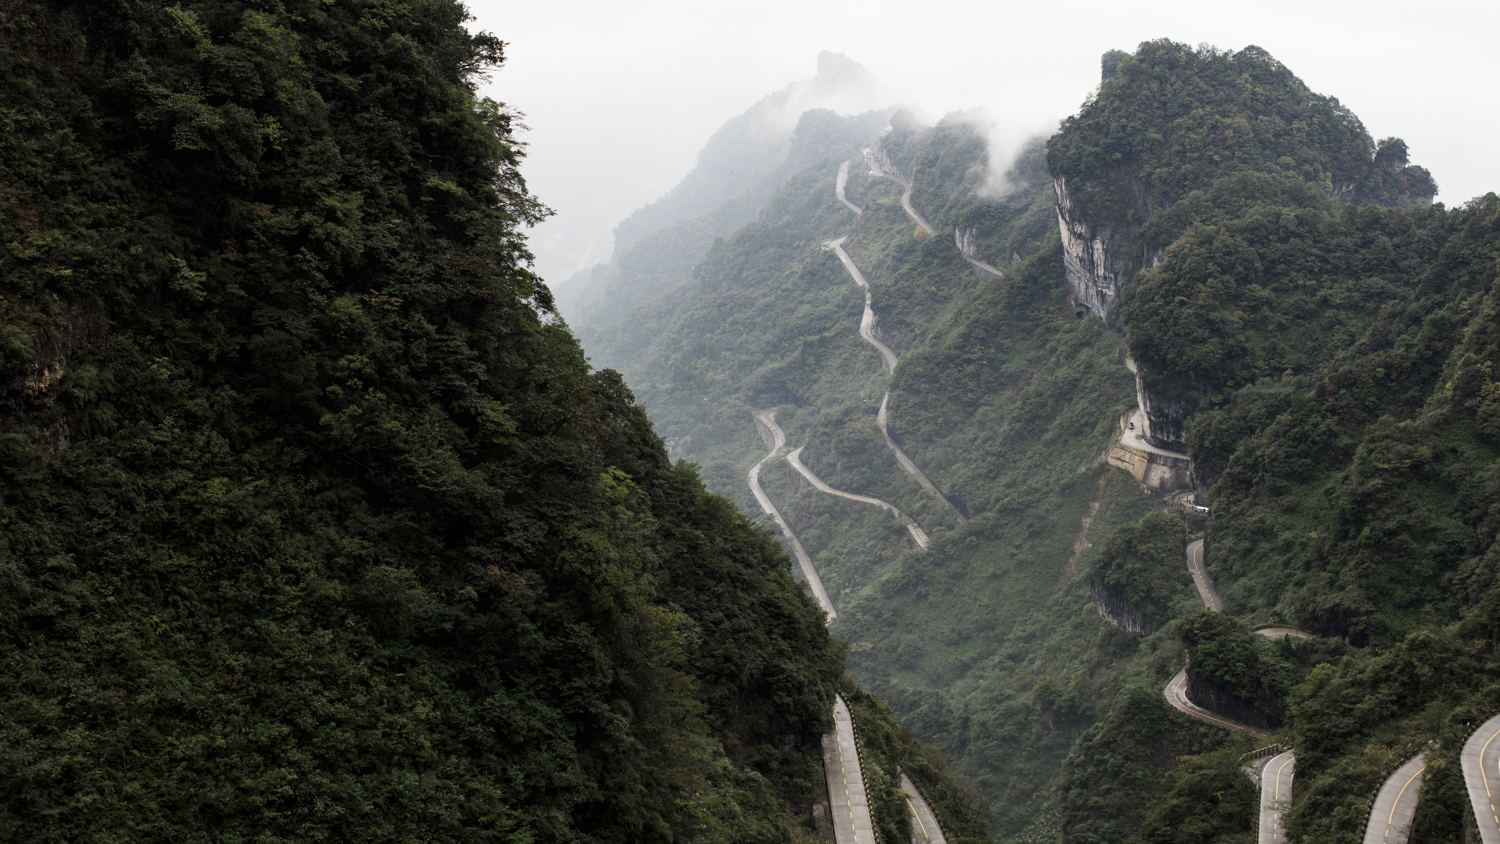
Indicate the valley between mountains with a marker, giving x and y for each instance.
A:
(989, 411)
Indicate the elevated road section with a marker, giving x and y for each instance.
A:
(847, 801)
(1396, 804)
(1481, 763)
(924, 824)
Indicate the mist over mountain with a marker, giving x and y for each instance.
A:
(737, 169)
(1212, 312)
(1138, 484)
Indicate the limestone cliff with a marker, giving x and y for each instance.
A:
(1215, 699)
(1100, 255)
(1117, 609)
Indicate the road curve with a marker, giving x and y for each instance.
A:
(912, 212)
(1275, 797)
(1396, 804)
(917, 534)
(1481, 764)
(1176, 695)
(1200, 577)
(768, 419)
(906, 462)
(924, 824)
(838, 188)
(867, 320)
(847, 801)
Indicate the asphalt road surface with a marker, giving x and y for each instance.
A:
(795, 458)
(1275, 797)
(815, 583)
(847, 802)
(1176, 695)
(1390, 817)
(1481, 764)
(924, 824)
(1200, 577)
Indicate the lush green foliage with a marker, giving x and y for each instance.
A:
(1143, 562)
(316, 523)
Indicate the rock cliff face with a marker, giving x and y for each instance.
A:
(1100, 256)
(1166, 417)
(1118, 610)
(1215, 699)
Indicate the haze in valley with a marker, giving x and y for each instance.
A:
(619, 98)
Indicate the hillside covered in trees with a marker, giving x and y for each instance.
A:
(314, 521)
(1309, 329)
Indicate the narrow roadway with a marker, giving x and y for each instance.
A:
(1200, 577)
(867, 321)
(768, 419)
(1481, 764)
(846, 784)
(1176, 695)
(924, 824)
(1275, 797)
(1139, 424)
(795, 458)
(906, 462)
(1396, 804)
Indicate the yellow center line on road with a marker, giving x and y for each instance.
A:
(1401, 792)
(919, 819)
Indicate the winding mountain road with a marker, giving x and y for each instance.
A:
(1275, 797)
(906, 462)
(917, 534)
(1481, 764)
(767, 418)
(867, 320)
(1176, 695)
(846, 782)
(1396, 804)
(924, 827)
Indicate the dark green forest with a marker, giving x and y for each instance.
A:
(316, 522)
(317, 525)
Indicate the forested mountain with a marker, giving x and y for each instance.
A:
(1309, 341)
(315, 524)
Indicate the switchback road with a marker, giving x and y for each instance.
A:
(1396, 804)
(917, 534)
(849, 806)
(924, 824)
(866, 326)
(1176, 695)
(867, 320)
(768, 419)
(1481, 764)
(1275, 797)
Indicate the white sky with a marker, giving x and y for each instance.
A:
(620, 96)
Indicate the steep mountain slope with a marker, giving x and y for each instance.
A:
(317, 524)
(1306, 329)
